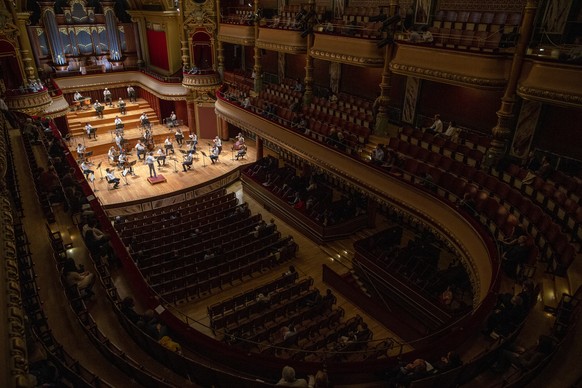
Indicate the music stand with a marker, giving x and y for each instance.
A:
(175, 163)
(100, 171)
(91, 178)
(203, 160)
(124, 175)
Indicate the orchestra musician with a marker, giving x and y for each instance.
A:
(161, 156)
(242, 151)
(214, 154)
(112, 154)
(118, 125)
(141, 150)
(218, 144)
(123, 163)
(107, 97)
(179, 135)
(119, 141)
(240, 141)
(81, 151)
(90, 131)
(193, 138)
(77, 96)
(187, 163)
(98, 109)
(122, 105)
(145, 121)
(168, 145)
(111, 178)
(131, 93)
(86, 169)
(173, 120)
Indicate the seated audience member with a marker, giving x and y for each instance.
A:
(508, 314)
(452, 132)
(450, 361)
(263, 301)
(415, 370)
(426, 35)
(524, 359)
(127, 308)
(437, 126)
(320, 380)
(378, 155)
(84, 280)
(290, 271)
(288, 379)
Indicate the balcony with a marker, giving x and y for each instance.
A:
(282, 40)
(201, 80)
(349, 50)
(462, 68)
(33, 103)
(551, 82)
(241, 34)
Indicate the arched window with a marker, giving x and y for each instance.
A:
(202, 51)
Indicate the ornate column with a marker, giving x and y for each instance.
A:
(259, 145)
(257, 68)
(184, 47)
(219, 47)
(111, 24)
(191, 110)
(143, 54)
(505, 115)
(382, 101)
(30, 72)
(308, 95)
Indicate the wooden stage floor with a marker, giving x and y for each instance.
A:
(138, 188)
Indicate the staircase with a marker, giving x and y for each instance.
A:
(77, 119)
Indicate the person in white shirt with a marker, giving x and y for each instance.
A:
(214, 154)
(179, 135)
(173, 120)
(112, 154)
(119, 141)
(168, 145)
(111, 178)
(131, 93)
(193, 138)
(452, 132)
(145, 121)
(161, 156)
(81, 151)
(187, 164)
(90, 131)
(218, 144)
(107, 97)
(118, 125)
(77, 96)
(150, 160)
(141, 150)
(246, 102)
(98, 109)
(437, 125)
(86, 169)
(122, 105)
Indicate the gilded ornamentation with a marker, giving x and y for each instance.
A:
(7, 27)
(345, 58)
(439, 75)
(31, 103)
(237, 40)
(550, 96)
(282, 48)
(205, 81)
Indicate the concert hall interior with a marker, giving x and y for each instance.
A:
(340, 193)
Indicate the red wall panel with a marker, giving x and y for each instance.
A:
(207, 122)
(158, 49)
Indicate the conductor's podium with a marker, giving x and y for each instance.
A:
(157, 179)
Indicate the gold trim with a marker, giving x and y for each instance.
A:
(283, 48)
(348, 59)
(550, 96)
(236, 40)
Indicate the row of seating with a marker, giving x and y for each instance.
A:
(187, 208)
(41, 194)
(71, 371)
(436, 143)
(11, 178)
(168, 209)
(553, 243)
(140, 232)
(209, 238)
(476, 20)
(236, 302)
(280, 300)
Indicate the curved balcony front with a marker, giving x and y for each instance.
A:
(240, 34)
(281, 40)
(201, 81)
(349, 50)
(462, 68)
(33, 103)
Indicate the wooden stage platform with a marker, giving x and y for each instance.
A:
(136, 188)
